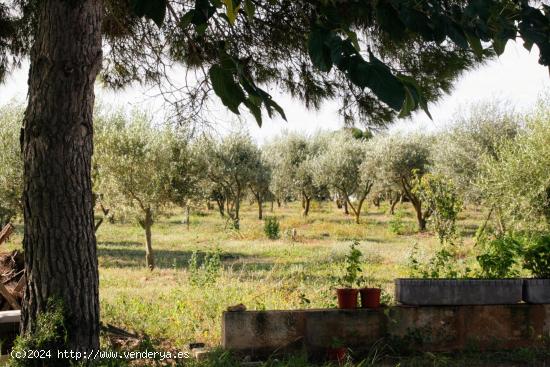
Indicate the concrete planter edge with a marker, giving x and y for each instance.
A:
(436, 292)
(536, 291)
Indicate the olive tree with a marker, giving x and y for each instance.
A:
(11, 163)
(134, 162)
(518, 181)
(480, 131)
(338, 167)
(231, 164)
(259, 183)
(416, 50)
(396, 161)
(185, 172)
(292, 159)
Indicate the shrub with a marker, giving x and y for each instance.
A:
(537, 257)
(396, 224)
(441, 202)
(49, 336)
(445, 263)
(208, 271)
(500, 257)
(271, 228)
(353, 268)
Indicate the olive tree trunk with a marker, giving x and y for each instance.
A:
(59, 239)
(260, 207)
(306, 204)
(147, 225)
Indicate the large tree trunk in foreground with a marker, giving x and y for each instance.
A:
(59, 239)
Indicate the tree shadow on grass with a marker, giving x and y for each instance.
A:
(126, 254)
(468, 230)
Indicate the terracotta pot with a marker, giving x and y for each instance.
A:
(337, 354)
(370, 297)
(347, 297)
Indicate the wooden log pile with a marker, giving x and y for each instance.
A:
(6, 232)
(12, 280)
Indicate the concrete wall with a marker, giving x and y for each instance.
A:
(427, 328)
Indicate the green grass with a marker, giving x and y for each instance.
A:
(260, 273)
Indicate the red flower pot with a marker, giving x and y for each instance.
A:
(347, 297)
(370, 297)
(337, 354)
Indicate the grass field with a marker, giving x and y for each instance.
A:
(183, 306)
(260, 273)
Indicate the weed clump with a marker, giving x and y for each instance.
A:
(272, 228)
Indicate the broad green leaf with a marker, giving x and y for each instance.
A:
(457, 35)
(278, 108)
(352, 36)
(226, 88)
(249, 9)
(187, 18)
(319, 52)
(409, 105)
(376, 76)
(475, 44)
(231, 11)
(254, 110)
(499, 45)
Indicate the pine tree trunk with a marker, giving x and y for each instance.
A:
(147, 225)
(59, 239)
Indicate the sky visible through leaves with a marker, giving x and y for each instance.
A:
(515, 77)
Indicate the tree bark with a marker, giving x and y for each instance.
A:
(147, 225)
(358, 211)
(346, 210)
(419, 215)
(221, 207)
(105, 212)
(392, 208)
(307, 202)
(57, 144)
(260, 211)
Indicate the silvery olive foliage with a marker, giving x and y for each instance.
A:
(11, 163)
(133, 159)
(232, 164)
(259, 182)
(292, 158)
(338, 167)
(396, 160)
(518, 180)
(132, 162)
(479, 132)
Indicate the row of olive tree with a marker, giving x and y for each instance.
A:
(491, 157)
